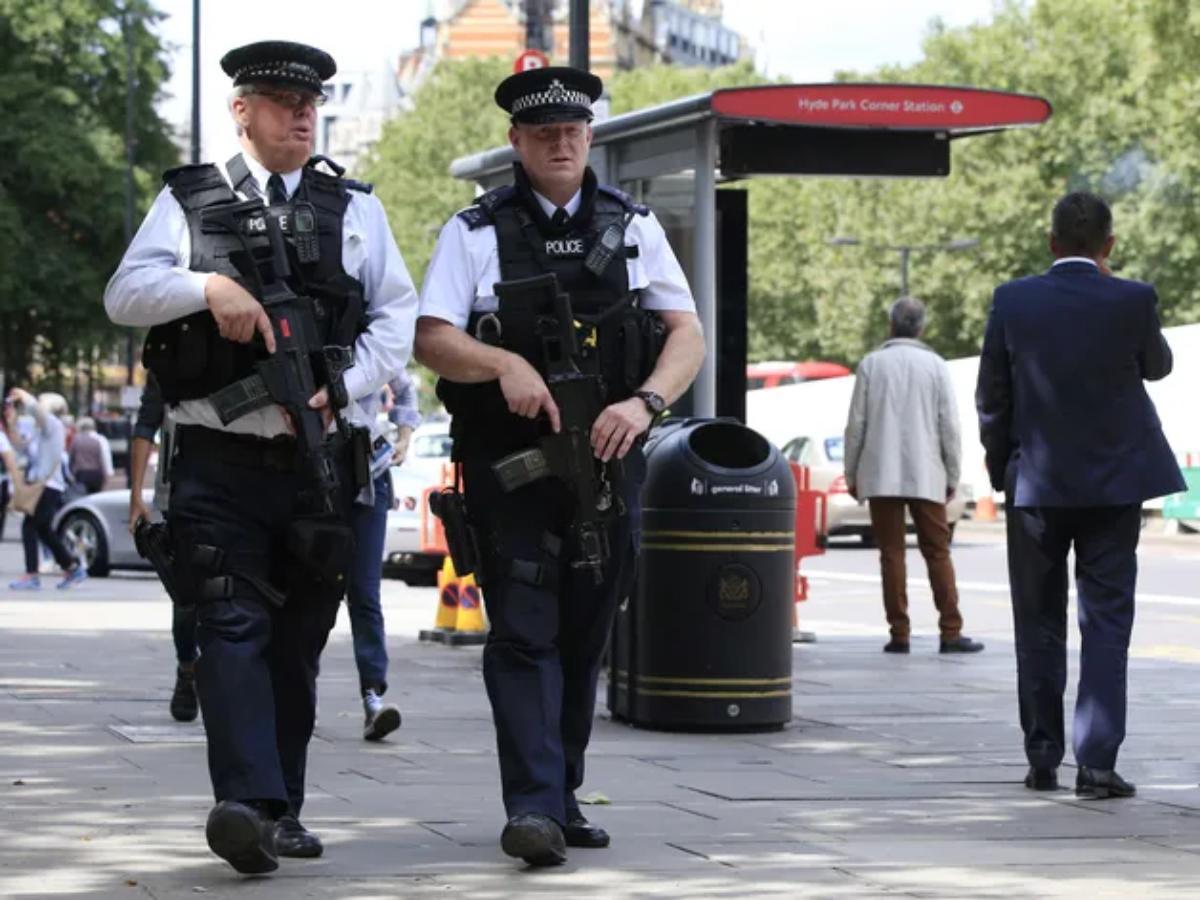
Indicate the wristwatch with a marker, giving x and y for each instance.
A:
(654, 402)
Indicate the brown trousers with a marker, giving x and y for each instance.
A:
(933, 539)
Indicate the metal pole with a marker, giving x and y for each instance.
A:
(704, 263)
(579, 34)
(904, 253)
(195, 82)
(127, 34)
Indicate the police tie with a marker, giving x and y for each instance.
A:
(561, 218)
(276, 192)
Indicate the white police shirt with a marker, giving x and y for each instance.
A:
(466, 265)
(154, 285)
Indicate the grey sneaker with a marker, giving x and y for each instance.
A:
(381, 718)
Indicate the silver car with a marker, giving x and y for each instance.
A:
(96, 529)
(844, 514)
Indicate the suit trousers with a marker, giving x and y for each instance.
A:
(1105, 540)
(933, 540)
(550, 623)
(256, 675)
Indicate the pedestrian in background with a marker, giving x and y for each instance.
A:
(90, 458)
(152, 421)
(404, 413)
(903, 452)
(46, 447)
(1075, 443)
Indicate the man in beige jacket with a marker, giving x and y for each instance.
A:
(903, 450)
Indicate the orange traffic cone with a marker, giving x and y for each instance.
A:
(447, 610)
(470, 627)
(985, 509)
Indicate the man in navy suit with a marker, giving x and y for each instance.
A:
(1073, 440)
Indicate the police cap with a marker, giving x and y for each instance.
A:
(551, 94)
(283, 63)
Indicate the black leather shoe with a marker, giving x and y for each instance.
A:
(243, 836)
(184, 705)
(381, 718)
(579, 832)
(961, 644)
(1041, 779)
(535, 838)
(1101, 784)
(294, 840)
(895, 646)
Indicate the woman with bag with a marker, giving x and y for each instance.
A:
(39, 495)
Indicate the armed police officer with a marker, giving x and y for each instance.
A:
(257, 277)
(561, 324)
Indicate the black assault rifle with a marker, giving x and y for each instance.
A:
(567, 455)
(300, 363)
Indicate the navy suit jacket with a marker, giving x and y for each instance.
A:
(1060, 394)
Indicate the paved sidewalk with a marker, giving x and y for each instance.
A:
(900, 776)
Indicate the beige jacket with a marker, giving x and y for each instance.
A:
(902, 434)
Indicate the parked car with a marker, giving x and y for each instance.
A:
(96, 529)
(428, 453)
(844, 514)
(774, 374)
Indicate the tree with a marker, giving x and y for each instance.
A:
(62, 89)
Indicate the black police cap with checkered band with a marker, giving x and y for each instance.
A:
(283, 63)
(552, 94)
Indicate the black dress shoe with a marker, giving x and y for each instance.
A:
(895, 646)
(1041, 779)
(381, 718)
(535, 838)
(961, 644)
(243, 836)
(579, 832)
(184, 705)
(294, 840)
(1100, 784)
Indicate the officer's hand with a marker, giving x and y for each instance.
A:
(618, 427)
(525, 391)
(320, 400)
(137, 510)
(237, 313)
(400, 450)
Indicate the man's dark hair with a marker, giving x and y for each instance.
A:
(1082, 223)
(907, 316)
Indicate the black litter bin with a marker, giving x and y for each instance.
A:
(704, 641)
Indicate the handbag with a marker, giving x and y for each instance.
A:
(25, 495)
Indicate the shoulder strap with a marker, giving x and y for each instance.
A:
(626, 201)
(240, 177)
(196, 187)
(483, 211)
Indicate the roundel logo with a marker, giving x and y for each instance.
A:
(531, 59)
(956, 107)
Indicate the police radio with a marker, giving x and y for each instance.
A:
(611, 240)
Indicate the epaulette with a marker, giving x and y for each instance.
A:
(482, 212)
(624, 199)
(197, 168)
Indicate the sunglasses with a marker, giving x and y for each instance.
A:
(293, 100)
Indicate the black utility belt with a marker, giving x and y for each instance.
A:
(280, 454)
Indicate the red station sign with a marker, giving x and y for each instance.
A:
(895, 106)
(531, 59)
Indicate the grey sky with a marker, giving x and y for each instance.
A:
(805, 40)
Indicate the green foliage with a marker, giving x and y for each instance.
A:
(62, 89)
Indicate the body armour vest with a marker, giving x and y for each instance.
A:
(188, 356)
(620, 341)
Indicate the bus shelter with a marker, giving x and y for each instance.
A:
(675, 156)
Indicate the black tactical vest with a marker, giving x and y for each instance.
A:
(620, 340)
(188, 356)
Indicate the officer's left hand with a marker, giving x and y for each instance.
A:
(320, 401)
(618, 427)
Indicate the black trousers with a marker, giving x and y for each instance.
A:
(1105, 540)
(37, 528)
(550, 624)
(257, 670)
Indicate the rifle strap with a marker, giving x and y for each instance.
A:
(240, 177)
(236, 400)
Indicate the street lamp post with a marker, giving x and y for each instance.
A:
(905, 251)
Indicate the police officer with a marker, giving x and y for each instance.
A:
(550, 617)
(266, 570)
